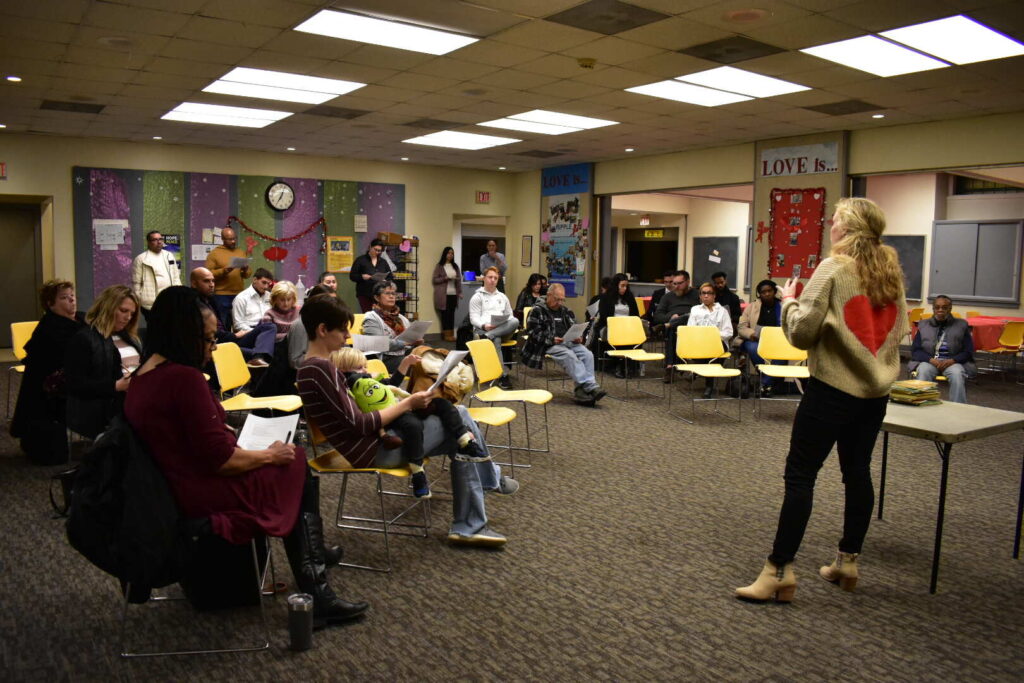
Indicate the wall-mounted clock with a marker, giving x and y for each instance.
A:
(280, 196)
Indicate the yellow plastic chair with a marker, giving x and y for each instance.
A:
(926, 315)
(626, 336)
(233, 374)
(973, 314)
(957, 314)
(488, 368)
(1009, 342)
(375, 366)
(20, 334)
(357, 326)
(702, 344)
(773, 345)
(915, 314)
(641, 306)
(327, 460)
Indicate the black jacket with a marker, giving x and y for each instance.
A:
(92, 365)
(123, 516)
(363, 265)
(44, 356)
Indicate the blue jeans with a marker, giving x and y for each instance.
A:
(469, 479)
(955, 374)
(577, 361)
(750, 348)
(259, 339)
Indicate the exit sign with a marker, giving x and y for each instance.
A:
(654, 234)
(483, 197)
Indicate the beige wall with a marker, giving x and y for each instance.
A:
(697, 168)
(709, 218)
(41, 165)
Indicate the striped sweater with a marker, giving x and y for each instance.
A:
(851, 345)
(325, 398)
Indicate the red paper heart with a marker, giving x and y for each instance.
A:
(871, 325)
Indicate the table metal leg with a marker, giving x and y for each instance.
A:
(1020, 513)
(944, 450)
(881, 483)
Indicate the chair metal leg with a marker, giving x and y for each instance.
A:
(265, 645)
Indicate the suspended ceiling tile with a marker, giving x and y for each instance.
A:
(776, 13)
(674, 34)
(670, 6)
(178, 81)
(14, 47)
(221, 31)
(831, 76)
(492, 110)
(418, 82)
(544, 35)
(496, 54)
(387, 57)
(458, 69)
(308, 44)
(449, 15)
(804, 32)
(614, 77)
(360, 73)
(414, 110)
(530, 8)
(356, 101)
(806, 98)
(786, 65)
(618, 98)
(128, 18)
(668, 65)
(173, 95)
(204, 70)
(182, 6)
(50, 10)
(557, 66)
(279, 61)
(277, 13)
(78, 89)
(53, 31)
(202, 51)
(111, 58)
(571, 89)
(881, 15)
(388, 94)
(441, 102)
(95, 73)
(609, 17)
(612, 50)
(525, 101)
(515, 78)
(459, 116)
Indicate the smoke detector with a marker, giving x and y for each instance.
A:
(745, 16)
(586, 62)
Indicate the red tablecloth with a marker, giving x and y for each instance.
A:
(986, 329)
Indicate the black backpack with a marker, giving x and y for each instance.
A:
(123, 516)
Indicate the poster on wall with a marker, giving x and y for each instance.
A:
(797, 219)
(339, 254)
(565, 225)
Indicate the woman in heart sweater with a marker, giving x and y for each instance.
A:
(850, 319)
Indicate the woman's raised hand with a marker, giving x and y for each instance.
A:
(789, 289)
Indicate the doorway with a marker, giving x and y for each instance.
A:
(20, 265)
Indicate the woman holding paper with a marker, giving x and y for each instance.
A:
(385, 320)
(491, 315)
(447, 281)
(367, 271)
(242, 493)
(850, 319)
(355, 435)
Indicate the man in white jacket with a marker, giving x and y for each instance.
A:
(486, 307)
(710, 313)
(153, 271)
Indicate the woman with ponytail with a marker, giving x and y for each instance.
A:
(850, 319)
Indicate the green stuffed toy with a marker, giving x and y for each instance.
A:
(371, 395)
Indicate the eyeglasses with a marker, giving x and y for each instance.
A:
(212, 341)
(156, 239)
(705, 292)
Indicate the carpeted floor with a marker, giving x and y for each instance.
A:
(625, 546)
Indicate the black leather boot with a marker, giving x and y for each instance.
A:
(311, 503)
(304, 547)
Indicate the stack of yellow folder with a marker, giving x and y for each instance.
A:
(916, 392)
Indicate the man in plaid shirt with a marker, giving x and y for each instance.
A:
(545, 329)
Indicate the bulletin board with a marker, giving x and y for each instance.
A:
(797, 219)
(714, 254)
(114, 209)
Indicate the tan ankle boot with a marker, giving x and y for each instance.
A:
(449, 335)
(843, 571)
(774, 582)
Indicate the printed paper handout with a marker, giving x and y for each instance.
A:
(450, 361)
(415, 331)
(574, 332)
(259, 432)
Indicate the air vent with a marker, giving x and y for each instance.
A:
(607, 16)
(731, 50)
(76, 107)
(433, 124)
(843, 108)
(539, 153)
(336, 112)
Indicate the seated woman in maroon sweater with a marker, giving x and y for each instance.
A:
(244, 493)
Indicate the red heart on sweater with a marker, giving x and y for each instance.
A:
(870, 324)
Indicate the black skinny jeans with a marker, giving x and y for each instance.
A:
(409, 427)
(451, 302)
(826, 417)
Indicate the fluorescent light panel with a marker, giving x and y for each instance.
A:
(196, 112)
(875, 56)
(691, 94)
(278, 85)
(957, 39)
(380, 32)
(555, 118)
(513, 123)
(744, 82)
(454, 140)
